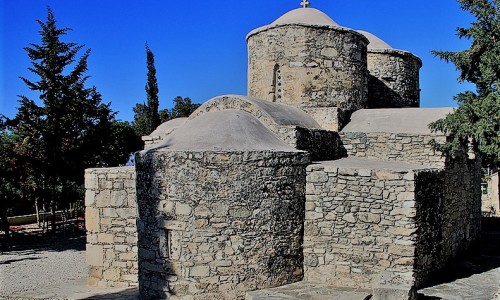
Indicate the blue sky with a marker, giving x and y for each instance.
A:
(200, 47)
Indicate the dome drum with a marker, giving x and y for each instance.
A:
(393, 79)
(308, 66)
(394, 75)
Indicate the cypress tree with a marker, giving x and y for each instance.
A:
(147, 116)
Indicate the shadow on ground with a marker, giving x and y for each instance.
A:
(129, 294)
(35, 241)
(483, 257)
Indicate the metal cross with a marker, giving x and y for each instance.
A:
(305, 4)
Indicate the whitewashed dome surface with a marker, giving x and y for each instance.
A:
(375, 41)
(310, 16)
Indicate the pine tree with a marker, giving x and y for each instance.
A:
(477, 117)
(70, 130)
(147, 116)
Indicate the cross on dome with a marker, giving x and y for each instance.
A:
(305, 3)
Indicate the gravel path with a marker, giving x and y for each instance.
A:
(54, 262)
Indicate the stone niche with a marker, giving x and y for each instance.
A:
(306, 63)
(214, 224)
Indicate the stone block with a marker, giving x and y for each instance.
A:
(105, 238)
(89, 197)
(118, 198)
(200, 271)
(95, 272)
(126, 213)
(365, 173)
(386, 175)
(313, 215)
(92, 219)
(202, 212)
(402, 250)
(183, 209)
(92, 281)
(112, 274)
(317, 177)
(401, 231)
(349, 218)
(369, 217)
(95, 255)
(173, 225)
(405, 196)
(103, 198)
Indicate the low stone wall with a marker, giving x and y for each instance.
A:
(404, 147)
(110, 218)
(213, 225)
(405, 220)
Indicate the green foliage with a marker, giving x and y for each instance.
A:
(147, 116)
(9, 174)
(478, 116)
(70, 130)
(122, 141)
(183, 107)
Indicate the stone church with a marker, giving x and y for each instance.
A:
(323, 174)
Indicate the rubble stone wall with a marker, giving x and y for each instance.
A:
(361, 223)
(404, 147)
(110, 218)
(358, 223)
(308, 66)
(213, 225)
(448, 206)
(394, 79)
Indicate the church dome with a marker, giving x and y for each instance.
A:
(375, 42)
(309, 16)
(225, 130)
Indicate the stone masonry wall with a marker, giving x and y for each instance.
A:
(448, 206)
(213, 225)
(361, 223)
(308, 66)
(110, 218)
(394, 79)
(404, 147)
(358, 223)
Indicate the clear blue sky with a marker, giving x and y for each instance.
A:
(200, 47)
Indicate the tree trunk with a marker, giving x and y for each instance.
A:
(37, 212)
(53, 216)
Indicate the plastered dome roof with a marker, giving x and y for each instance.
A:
(310, 16)
(225, 130)
(375, 42)
(168, 127)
